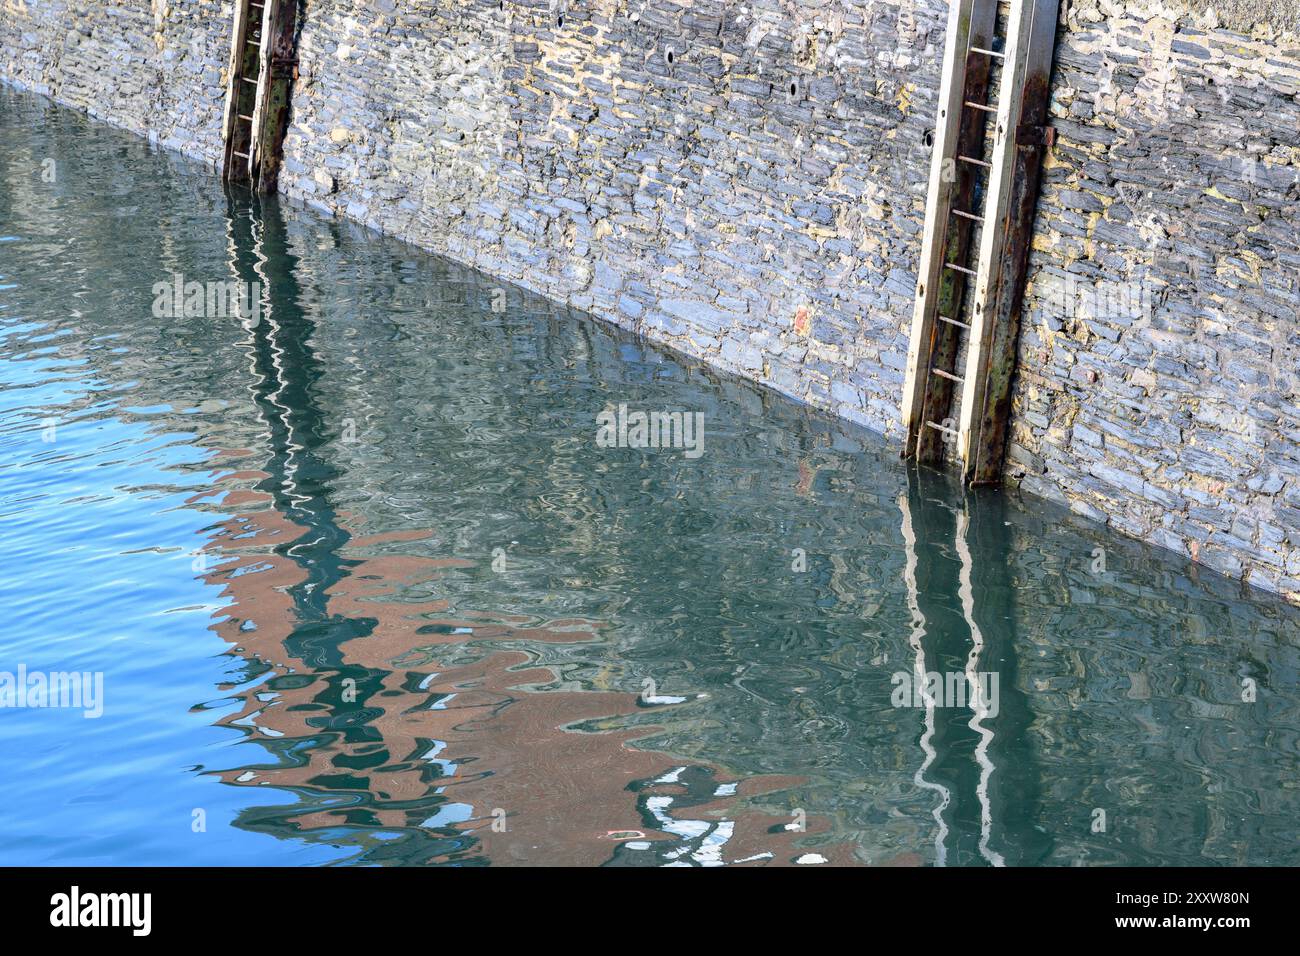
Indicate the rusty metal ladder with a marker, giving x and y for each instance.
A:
(983, 190)
(259, 79)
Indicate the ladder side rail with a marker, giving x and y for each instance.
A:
(937, 203)
(996, 208)
(946, 339)
(282, 62)
(987, 455)
(230, 117)
(269, 15)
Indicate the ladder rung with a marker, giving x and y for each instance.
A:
(943, 428)
(249, 118)
(977, 162)
(948, 375)
(956, 322)
(239, 154)
(967, 215)
(981, 106)
(248, 80)
(997, 53)
(963, 269)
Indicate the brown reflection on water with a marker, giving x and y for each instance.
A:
(453, 733)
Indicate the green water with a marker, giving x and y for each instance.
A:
(364, 586)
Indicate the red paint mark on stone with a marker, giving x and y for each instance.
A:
(802, 321)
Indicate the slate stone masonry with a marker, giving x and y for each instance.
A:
(745, 182)
(155, 67)
(1159, 373)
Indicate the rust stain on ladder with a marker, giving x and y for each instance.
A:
(259, 83)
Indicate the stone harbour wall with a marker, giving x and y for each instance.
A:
(1159, 372)
(155, 67)
(745, 182)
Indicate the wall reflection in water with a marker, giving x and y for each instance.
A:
(455, 631)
